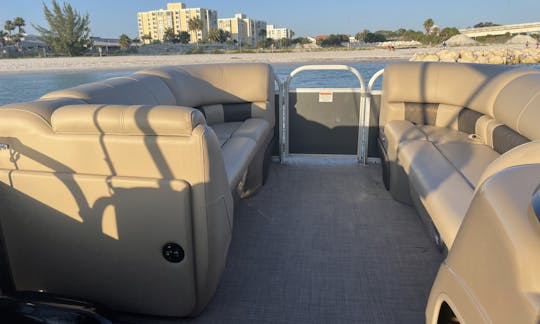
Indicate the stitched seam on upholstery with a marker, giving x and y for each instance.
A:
(159, 76)
(522, 112)
(500, 88)
(453, 165)
(122, 123)
(151, 92)
(35, 114)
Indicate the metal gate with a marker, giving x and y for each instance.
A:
(324, 122)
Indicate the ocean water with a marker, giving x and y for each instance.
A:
(30, 86)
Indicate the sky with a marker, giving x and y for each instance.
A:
(110, 18)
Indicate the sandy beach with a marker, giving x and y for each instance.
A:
(34, 65)
(29, 65)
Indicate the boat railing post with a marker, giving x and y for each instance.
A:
(367, 115)
(280, 112)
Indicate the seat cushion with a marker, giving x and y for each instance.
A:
(470, 159)
(445, 193)
(255, 128)
(239, 142)
(442, 134)
(225, 131)
(237, 154)
(399, 131)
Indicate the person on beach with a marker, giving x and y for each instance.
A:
(527, 44)
(444, 44)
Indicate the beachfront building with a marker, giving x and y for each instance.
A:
(153, 24)
(244, 30)
(277, 33)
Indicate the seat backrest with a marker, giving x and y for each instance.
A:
(472, 98)
(130, 90)
(248, 89)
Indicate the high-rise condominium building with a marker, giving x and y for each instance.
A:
(277, 33)
(243, 29)
(176, 16)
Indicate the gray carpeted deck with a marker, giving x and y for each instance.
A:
(325, 244)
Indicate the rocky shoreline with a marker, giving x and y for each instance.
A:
(508, 56)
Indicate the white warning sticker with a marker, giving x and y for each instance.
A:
(326, 97)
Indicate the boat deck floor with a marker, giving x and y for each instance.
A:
(321, 244)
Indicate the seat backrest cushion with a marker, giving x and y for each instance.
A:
(130, 90)
(222, 84)
(518, 106)
(411, 89)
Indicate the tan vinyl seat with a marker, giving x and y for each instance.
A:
(491, 272)
(236, 99)
(441, 131)
(460, 142)
(131, 90)
(103, 182)
(238, 103)
(93, 193)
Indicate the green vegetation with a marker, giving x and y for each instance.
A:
(430, 36)
(218, 36)
(195, 25)
(146, 37)
(494, 39)
(8, 37)
(68, 31)
(183, 37)
(332, 40)
(3, 37)
(168, 35)
(301, 40)
(485, 24)
(197, 50)
(265, 43)
(428, 24)
(448, 32)
(125, 41)
(374, 38)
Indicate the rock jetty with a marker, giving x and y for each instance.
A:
(507, 56)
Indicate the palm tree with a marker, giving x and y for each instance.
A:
(124, 41)
(19, 23)
(146, 37)
(428, 24)
(3, 36)
(9, 26)
(183, 37)
(195, 25)
(262, 34)
(168, 35)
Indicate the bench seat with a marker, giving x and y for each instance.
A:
(437, 146)
(134, 164)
